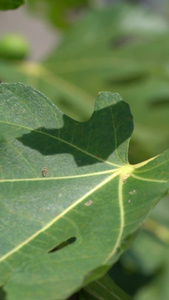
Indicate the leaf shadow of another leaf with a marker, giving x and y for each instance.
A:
(2, 294)
(89, 142)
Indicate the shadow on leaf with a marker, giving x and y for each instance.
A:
(2, 294)
(89, 141)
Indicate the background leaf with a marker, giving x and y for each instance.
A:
(121, 49)
(104, 288)
(59, 13)
(10, 4)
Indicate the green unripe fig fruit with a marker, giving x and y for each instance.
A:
(13, 46)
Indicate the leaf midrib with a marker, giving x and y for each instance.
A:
(58, 178)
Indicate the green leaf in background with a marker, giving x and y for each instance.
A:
(121, 49)
(10, 4)
(59, 13)
(124, 49)
(103, 288)
(69, 197)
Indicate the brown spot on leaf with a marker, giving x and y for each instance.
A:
(88, 203)
(44, 171)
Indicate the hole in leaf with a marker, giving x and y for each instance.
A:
(63, 244)
(160, 102)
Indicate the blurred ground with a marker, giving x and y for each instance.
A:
(35, 30)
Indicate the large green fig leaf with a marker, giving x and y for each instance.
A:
(10, 4)
(69, 197)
